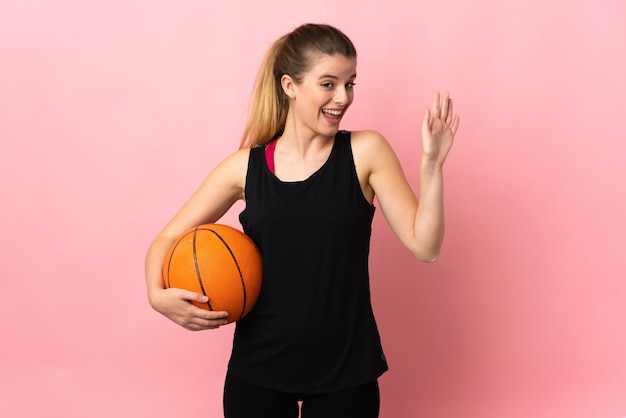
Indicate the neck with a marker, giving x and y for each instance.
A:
(301, 142)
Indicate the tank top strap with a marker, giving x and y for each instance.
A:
(269, 155)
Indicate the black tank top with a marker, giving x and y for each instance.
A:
(313, 329)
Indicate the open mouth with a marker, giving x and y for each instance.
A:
(331, 113)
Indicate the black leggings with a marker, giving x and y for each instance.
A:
(246, 400)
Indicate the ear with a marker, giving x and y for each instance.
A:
(288, 85)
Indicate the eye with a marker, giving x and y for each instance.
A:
(350, 85)
(328, 85)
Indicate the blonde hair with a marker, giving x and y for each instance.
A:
(291, 54)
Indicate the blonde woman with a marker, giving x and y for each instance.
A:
(309, 191)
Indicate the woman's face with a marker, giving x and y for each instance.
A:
(325, 93)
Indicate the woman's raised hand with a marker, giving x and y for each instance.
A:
(438, 129)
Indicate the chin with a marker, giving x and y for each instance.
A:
(330, 130)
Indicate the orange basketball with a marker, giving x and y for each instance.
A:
(219, 262)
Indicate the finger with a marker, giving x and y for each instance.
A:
(426, 123)
(450, 116)
(211, 315)
(198, 323)
(436, 105)
(198, 327)
(190, 296)
(210, 323)
(445, 102)
(455, 124)
(198, 297)
(192, 327)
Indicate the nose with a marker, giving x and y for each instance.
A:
(342, 96)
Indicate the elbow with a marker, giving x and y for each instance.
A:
(427, 258)
(425, 249)
(426, 255)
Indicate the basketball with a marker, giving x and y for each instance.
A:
(220, 262)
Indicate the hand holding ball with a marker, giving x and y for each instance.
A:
(220, 262)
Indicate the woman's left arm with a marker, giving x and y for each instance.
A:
(418, 223)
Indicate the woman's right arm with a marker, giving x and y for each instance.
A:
(219, 191)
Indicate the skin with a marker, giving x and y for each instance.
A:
(302, 149)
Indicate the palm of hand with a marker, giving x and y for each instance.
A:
(438, 129)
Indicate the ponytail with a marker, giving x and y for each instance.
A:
(269, 106)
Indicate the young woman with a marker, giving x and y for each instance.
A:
(309, 189)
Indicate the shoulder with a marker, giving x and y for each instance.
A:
(367, 138)
(370, 148)
(237, 159)
(233, 168)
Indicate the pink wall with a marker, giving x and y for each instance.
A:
(111, 113)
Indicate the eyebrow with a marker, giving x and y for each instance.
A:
(334, 77)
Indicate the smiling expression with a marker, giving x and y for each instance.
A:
(321, 99)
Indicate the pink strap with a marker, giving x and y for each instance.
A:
(269, 155)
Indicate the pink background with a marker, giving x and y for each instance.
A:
(111, 113)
